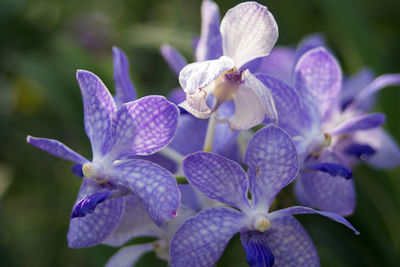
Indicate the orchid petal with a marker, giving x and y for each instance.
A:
(155, 186)
(143, 127)
(56, 148)
(125, 91)
(318, 74)
(248, 31)
(99, 107)
(199, 75)
(305, 210)
(333, 169)
(135, 222)
(272, 161)
(362, 122)
(92, 229)
(387, 151)
(353, 85)
(173, 58)
(209, 45)
(218, 178)
(290, 243)
(201, 240)
(258, 252)
(88, 204)
(253, 103)
(128, 256)
(309, 42)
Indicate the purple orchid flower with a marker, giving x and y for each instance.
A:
(140, 127)
(327, 123)
(248, 31)
(267, 237)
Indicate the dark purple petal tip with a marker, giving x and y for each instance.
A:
(258, 252)
(77, 170)
(332, 168)
(360, 151)
(88, 204)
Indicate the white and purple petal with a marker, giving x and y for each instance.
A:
(128, 256)
(201, 240)
(318, 74)
(125, 91)
(218, 178)
(273, 163)
(56, 148)
(173, 58)
(248, 31)
(94, 228)
(99, 108)
(155, 186)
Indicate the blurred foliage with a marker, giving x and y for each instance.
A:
(44, 42)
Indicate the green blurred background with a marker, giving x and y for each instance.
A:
(42, 45)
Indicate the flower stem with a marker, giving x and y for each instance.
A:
(210, 132)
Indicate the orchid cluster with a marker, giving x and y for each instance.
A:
(192, 177)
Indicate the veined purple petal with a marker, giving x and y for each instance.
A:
(201, 240)
(253, 103)
(376, 85)
(273, 163)
(88, 204)
(319, 190)
(353, 85)
(278, 64)
(143, 127)
(128, 256)
(173, 58)
(99, 108)
(290, 243)
(198, 75)
(309, 42)
(387, 151)
(248, 31)
(135, 222)
(218, 178)
(92, 229)
(124, 88)
(360, 151)
(56, 148)
(362, 122)
(333, 169)
(209, 45)
(317, 73)
(155, 186)
(258, 252)
(305, 210)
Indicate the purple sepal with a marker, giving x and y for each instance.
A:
(360, 151)
(177, 96)
(88, 204)
(272, 161)
(258, 252)
(332, 168)
(128, 256)
(124, 89)
(77, 170)
(363, 122)
(173, 58)
(309, 42)
(201, 240)
(305, 210)
(56, 148)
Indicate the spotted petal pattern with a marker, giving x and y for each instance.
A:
(248, 31)
(318, 75)
(218, 178)
(155, 186)
(94, 228)
(201, 240)
(56, 148)
(99, 107)
(128, 256)
(272, 161)
(124, 88)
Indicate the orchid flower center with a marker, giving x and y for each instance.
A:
(320, 142)
(261, 223)
(161, 247)
(91, 170)
(227, 85)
